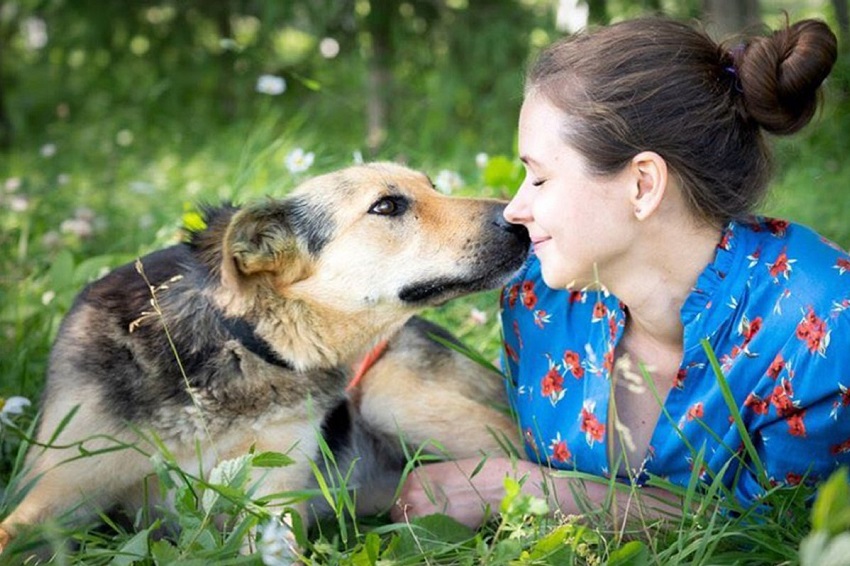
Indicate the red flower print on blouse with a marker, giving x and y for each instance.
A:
(843, 401)
(842, 264)
(725, 241)
(776, 226)
(679, 380)
(749, 328)
(560, 451)
(593, 430)
(612, 326)
(572, 362)
(608, 361)
(599, 311)
(812, 331)
(512, 294)
(781, 398)
(793, 479)
(541, 318)
(578, 297)
(695, 411)
(754, 257)
(527, 295)
(781, 267)
(776, 367)
(757, 404)
(552, 383)
(841, 448)
(511, 353)
(796, 426)
(517, 333)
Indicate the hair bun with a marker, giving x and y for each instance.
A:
(780, 74)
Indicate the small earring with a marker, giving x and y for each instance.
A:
(637, 210)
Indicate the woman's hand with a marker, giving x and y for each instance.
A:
(452, 489)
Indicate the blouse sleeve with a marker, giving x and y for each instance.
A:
(808, 434)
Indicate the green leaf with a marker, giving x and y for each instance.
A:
(633, 553)
(163, 552)
(133, 550)
(554, 547)
(193, 221)
(430, 534)
(272, 460)
(831, 510)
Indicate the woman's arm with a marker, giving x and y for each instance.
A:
(452, 489)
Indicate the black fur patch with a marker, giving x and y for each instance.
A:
(311, 223)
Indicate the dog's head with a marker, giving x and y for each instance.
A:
(374, 242)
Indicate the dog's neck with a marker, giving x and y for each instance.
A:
(301, 335)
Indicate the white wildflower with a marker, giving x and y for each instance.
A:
(48, 297)
(298, 161)
(51, 240)
(12, 184)
(478, 317)
(48, 150)
(84, 213)
(271, 84)
(357, 157)
(277, 544)
(76, 226)
(481, 160)
(329, 48)
(447, 181)
(63, 179)
(19, 204)
(12, 407)
(34, 32)
(124, 138)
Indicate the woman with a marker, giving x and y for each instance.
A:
(644, 150)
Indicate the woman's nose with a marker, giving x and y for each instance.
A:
(517, 210)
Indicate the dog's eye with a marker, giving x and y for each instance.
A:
(389, 206)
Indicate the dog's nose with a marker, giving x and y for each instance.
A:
(516, 229)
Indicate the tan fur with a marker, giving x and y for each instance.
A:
(448, 408)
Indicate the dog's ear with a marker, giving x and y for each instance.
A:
(261, 239)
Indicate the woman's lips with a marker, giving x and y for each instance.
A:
(537, 242)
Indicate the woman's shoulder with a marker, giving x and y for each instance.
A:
(794, 257)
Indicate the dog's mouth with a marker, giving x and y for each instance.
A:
(440, 289)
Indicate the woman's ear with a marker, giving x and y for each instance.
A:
(649, 175)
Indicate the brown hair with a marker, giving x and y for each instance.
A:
(661, 85)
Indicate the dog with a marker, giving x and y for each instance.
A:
(241, 338)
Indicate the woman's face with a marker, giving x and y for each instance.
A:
(580, 224)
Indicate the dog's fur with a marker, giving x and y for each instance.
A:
(242, 337)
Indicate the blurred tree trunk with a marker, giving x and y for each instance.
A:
(379, 80)
(842, 15)
(5, 122)
(728, 17)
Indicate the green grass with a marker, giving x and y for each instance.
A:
(137, 196)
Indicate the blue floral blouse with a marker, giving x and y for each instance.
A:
(775, 308)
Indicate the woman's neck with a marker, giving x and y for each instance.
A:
(662, 272)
